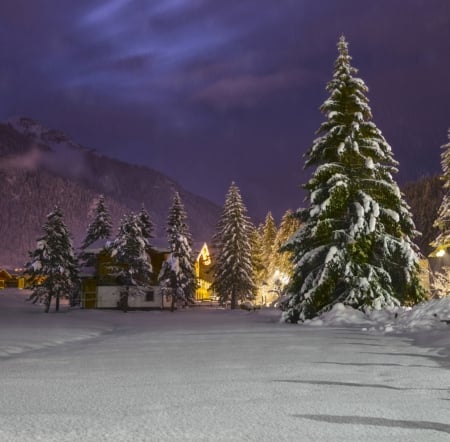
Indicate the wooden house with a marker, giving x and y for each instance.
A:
(5, 277)
(12, 279)
(100, 289)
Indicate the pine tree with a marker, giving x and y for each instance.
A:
(53, 266)
(354, 245)
(442, 222)
(257, 258)
(177, 277)
(99, 228)
(233, 273)
(283, 268)
(269, 234)
(147, 226)
(133, 267)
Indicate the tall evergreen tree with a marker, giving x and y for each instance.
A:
(233, 273)
(147, 226)
(354, 245)
(283, 259)
(442, 242)
(269, 234)
(177, 277)
(99, 228)
(53, 266)
(133, 267)
(257, 258)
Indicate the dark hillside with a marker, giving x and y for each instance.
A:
(40, 168)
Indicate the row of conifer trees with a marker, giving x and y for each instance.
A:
(54, 265)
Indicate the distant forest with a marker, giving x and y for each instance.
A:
(27, 198)
(41, 168)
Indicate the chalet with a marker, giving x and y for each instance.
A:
(5, 277)
(99, 288)
(8, 279)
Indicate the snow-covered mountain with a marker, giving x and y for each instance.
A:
(42, 167)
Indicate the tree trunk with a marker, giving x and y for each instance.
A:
(124, 300)
(57, 304)
(75, 294)
(172, 304)
(233, 304)
(48, 301)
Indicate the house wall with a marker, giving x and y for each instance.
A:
(108, 297)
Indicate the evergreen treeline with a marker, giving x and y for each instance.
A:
(354, 243)
(28, 196)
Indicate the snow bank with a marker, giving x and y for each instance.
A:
(425, 316)
(340, 315)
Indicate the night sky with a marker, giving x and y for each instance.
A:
(210, 91)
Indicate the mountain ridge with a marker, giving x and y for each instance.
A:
(42, 167)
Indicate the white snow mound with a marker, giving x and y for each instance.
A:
(425, 316)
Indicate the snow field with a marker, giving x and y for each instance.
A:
(214, 375)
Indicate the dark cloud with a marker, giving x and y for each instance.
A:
(211, 91)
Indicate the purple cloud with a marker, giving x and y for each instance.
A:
(248, 90)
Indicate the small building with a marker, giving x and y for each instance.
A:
(100, 289)
(203, 274)
(5, 277)
(12, 279)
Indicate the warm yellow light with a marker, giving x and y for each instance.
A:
(204, 255)
(440, 253)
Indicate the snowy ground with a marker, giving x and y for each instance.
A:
(216, 375)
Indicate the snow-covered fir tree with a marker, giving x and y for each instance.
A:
(177, 277)
(441, 277)
(147, 226)
(257, 257)
(133, 267)
(282, 260)
(354, 245)
(99, 228)
(442, 242)
(53, 266)
(233, 273)
(269, 233)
